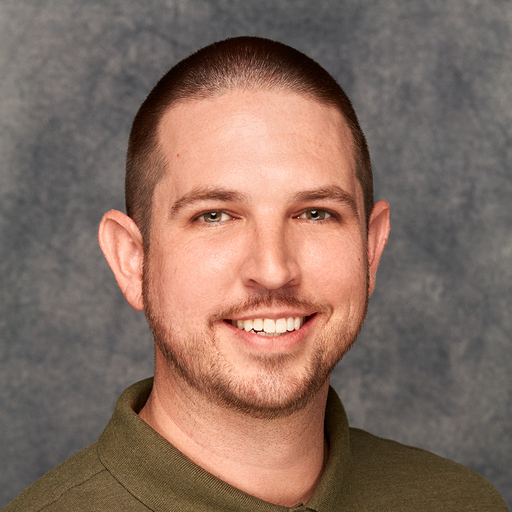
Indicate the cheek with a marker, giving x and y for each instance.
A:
(337, 267)
(189, 273)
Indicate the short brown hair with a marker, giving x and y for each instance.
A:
(236, 63)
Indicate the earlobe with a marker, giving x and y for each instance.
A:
(378, 233)
(121, 242)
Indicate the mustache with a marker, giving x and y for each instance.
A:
(269, 299)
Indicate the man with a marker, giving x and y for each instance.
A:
(251, 243)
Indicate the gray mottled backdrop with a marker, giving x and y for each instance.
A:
(431, 81)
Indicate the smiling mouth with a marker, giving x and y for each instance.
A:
(269, 327)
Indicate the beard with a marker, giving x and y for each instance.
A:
(276, 388)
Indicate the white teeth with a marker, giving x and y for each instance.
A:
(257, 324)
(281, 325)
(270, 327)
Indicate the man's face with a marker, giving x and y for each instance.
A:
(256, 280)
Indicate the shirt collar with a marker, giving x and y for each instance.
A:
(158, 474)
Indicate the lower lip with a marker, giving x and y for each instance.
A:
(272, 344)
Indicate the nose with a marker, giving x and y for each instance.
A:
(271, 259)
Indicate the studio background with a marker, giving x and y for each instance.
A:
(431, 83)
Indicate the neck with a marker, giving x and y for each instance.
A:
(279, 460)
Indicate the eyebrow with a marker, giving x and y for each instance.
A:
(220, 194)
(200, 194)
(333, 193)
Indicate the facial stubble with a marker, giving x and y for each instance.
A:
(274, 391)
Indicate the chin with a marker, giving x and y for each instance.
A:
(272, 393)
(277, 386)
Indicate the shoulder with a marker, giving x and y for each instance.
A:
(410, 475)
(79, 483)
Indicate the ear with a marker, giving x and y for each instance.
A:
(378, 233)
(121, 242)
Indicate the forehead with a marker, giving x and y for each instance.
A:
(242, 137)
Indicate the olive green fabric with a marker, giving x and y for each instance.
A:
(132, 468)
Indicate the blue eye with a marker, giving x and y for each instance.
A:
(315, 214)
(214, 216)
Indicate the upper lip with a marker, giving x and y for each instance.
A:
(271, 315)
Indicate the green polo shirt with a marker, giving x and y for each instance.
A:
(132, 468)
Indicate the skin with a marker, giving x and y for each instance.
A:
(277, 171)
